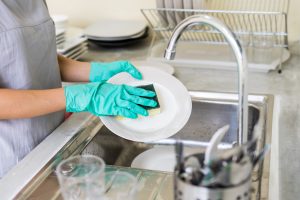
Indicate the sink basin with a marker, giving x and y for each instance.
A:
(210, 112)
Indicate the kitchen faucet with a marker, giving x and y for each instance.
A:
(239, 55)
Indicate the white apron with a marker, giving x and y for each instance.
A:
(28, 60)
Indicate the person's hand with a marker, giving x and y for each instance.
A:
(103, 99)
(101, 72)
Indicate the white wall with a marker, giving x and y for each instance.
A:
(84, 12)
(294, 20)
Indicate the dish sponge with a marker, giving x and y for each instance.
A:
(151, 110)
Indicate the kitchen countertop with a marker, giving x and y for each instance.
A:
(285, 87)
(80, 128)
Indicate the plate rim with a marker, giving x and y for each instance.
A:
(142, 25)
(163, 150)
(164, 132)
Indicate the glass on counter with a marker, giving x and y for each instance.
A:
(82, 177)
(263, 47)
(120, 186)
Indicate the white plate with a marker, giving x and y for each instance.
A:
(115, 29)
(60, 37)
(117, 38)
(79, 56)
(160, 158)
(79, 48)
(74, 32)
(75, 49)
(157, 65)
(70, 44)
(59, 18)
(60, 41)
(188, 4)
(160, 4)
(178, 4)
(59, 32)
(170, 14)
(162, 14)
(175, 104)
(198, 4)
(78, 53)
(169, 4)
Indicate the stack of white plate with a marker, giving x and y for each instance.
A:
(60, 21)
(60, 36)
(172, 18)
(116, 32)
(73, 48)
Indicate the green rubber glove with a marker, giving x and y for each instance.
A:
(103, 71)
(103, 99)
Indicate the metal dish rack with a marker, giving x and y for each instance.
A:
(253, 22)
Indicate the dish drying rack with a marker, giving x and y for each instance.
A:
(259, 24)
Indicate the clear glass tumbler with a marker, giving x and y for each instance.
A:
(263, 48)
(120, 186)
(82, 177)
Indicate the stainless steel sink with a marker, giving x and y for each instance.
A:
(210, 112)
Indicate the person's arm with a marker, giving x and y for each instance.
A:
(75, 71)
(72, 70)
(100, 99)
(16, 104)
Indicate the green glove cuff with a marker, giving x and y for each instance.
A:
(96, 71)
(78, 97)
(100, 72)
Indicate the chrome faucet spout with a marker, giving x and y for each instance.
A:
(239, 55)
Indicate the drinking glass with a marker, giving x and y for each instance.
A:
(263, 47)
(244, 38)
(120, 186)
(82, 177)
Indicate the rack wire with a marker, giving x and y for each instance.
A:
(249, 5)
(257, 23)
(247, 25)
